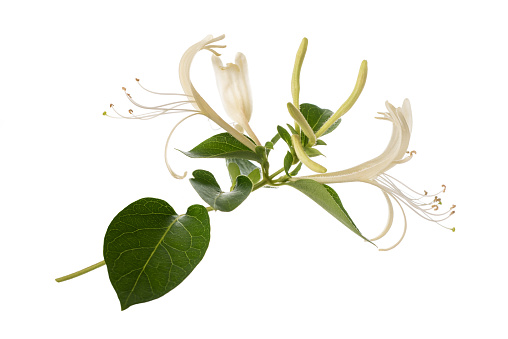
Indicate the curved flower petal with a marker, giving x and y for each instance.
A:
(199, 103)
(234, 89)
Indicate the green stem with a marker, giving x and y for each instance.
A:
(260, 184)
(81, 272)
(276, 173)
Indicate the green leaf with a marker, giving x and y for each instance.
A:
(284, 135)
(238, 167)
(149, 249)
(209, 190)
(293, 131)
(269, 145)
(327, 198)
(316, 117)
(288, 161)
(296, 170)
(312, 152)
(222, 145)
(320, 142)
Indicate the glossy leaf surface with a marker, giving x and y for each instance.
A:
(222, 145)
(149, 249)
(327, 198)
(209, 190)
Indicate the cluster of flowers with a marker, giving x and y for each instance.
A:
(233, 84)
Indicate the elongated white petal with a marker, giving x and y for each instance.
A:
(199, 103)
(186, 61)
(234, 89)
(210, 113)
(394, 151)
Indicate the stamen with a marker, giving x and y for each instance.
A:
(139, 83)
(435, 207)
(444, 188)
(425, 192)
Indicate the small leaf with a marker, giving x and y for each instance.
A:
(233, 171)
(284, 135)
(222, 145)
(275, 139)
(320, 142)
(293, 131)
(269, 145)
(209, 190)
(312, 152)
(327, 198)
(316, 117)
(296, 170)
(288, 161)
(245, 167)
(149, 249)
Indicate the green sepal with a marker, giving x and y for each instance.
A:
(269, 145)
(320, 142)
(284, 135)
(222, 145)
(209, 190)
(296, 170)
(327, 198)
(288, 161)
(149, 249)
(238, 167)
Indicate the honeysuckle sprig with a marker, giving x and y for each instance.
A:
(149, 248)
(373, 173)
(234, 90)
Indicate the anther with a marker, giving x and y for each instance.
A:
(104, 113)
(111, 105)
(426, 192)
(453, 206)
(436, 199)
(128, 95)
(137, 79)
(453, 229)
(412, 152)
(435, 207)
(130, 111)
(124, 88)
(444, 188)
(452, 212)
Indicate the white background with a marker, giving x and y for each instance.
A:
(278, 266)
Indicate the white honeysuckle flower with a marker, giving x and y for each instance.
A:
(191, 97)
(234, 89)
(373, 172)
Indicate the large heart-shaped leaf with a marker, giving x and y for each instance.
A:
(209, 190)
(149, 249)
(222, 145)
(327, 198)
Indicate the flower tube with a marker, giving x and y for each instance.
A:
(373, 172)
